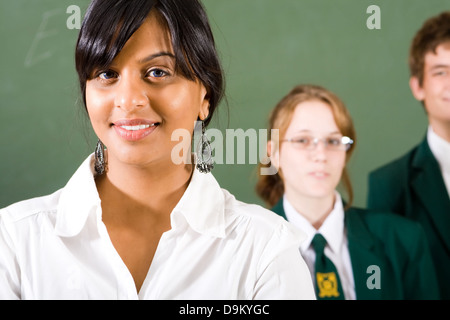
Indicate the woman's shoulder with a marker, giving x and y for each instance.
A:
(257, 219)
(48, 203)
(29, 217)
(30, 207)
(235, 207)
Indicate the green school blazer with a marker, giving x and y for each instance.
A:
(413, 186)
(389, 255)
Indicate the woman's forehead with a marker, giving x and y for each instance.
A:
(313, 117)
(151, 39)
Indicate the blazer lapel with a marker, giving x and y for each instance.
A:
(367, 253)
(278, 208)
(429, 187)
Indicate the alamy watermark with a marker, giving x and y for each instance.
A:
(39, 51)
(235, 147)
(372, 22)
(374, 280)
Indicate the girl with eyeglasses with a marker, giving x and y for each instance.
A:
(352, 253)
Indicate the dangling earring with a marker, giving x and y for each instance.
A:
(100, 159)
(205, 162)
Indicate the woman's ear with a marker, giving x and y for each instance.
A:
(204, 104)
(273, 153)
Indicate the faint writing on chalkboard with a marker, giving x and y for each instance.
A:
(38, 52)
(34, 56)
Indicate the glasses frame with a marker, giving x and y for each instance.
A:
(346, 141)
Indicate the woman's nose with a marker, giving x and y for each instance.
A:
(130, 94)
(319, 152)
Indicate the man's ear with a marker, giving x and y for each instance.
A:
(416, 88)
(204, 104)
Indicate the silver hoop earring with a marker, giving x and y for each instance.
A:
(100, 159)
(205, 162)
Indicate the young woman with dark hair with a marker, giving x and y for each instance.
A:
(132, 223)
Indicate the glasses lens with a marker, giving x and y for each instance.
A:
(333, 143)
(330, 143)
(302, 142)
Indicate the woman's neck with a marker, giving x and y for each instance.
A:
(152, 190)
(313, 209)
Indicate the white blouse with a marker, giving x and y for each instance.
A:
(57, 247)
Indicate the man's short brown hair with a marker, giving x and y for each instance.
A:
(435, 31)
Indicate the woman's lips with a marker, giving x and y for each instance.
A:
(134, 129)
(319, 174)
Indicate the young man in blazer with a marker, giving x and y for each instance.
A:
(417, 185)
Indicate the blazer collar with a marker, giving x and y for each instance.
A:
(278, 209)
(366, 252)
(429, 187)
(355, 227)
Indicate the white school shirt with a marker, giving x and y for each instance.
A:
(441, 151)
(333, 230)
(57, 247)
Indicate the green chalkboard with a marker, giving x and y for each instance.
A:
(266, 46)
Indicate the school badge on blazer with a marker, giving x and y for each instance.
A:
(327, 284)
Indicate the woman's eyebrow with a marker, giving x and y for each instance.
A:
(309, 131)
(303, 131)
(156, 55)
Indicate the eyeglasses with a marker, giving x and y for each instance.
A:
(330, 143)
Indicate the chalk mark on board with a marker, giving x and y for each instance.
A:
(32, 58)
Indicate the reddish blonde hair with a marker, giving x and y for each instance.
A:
(271, 187)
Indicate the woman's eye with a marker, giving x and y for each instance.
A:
(107, 75)
(333, 141)
(303, 140)
(157, 73)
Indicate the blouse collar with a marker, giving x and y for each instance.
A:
(202, 204)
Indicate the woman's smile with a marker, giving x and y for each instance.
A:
(320, 175)
(134, 129)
